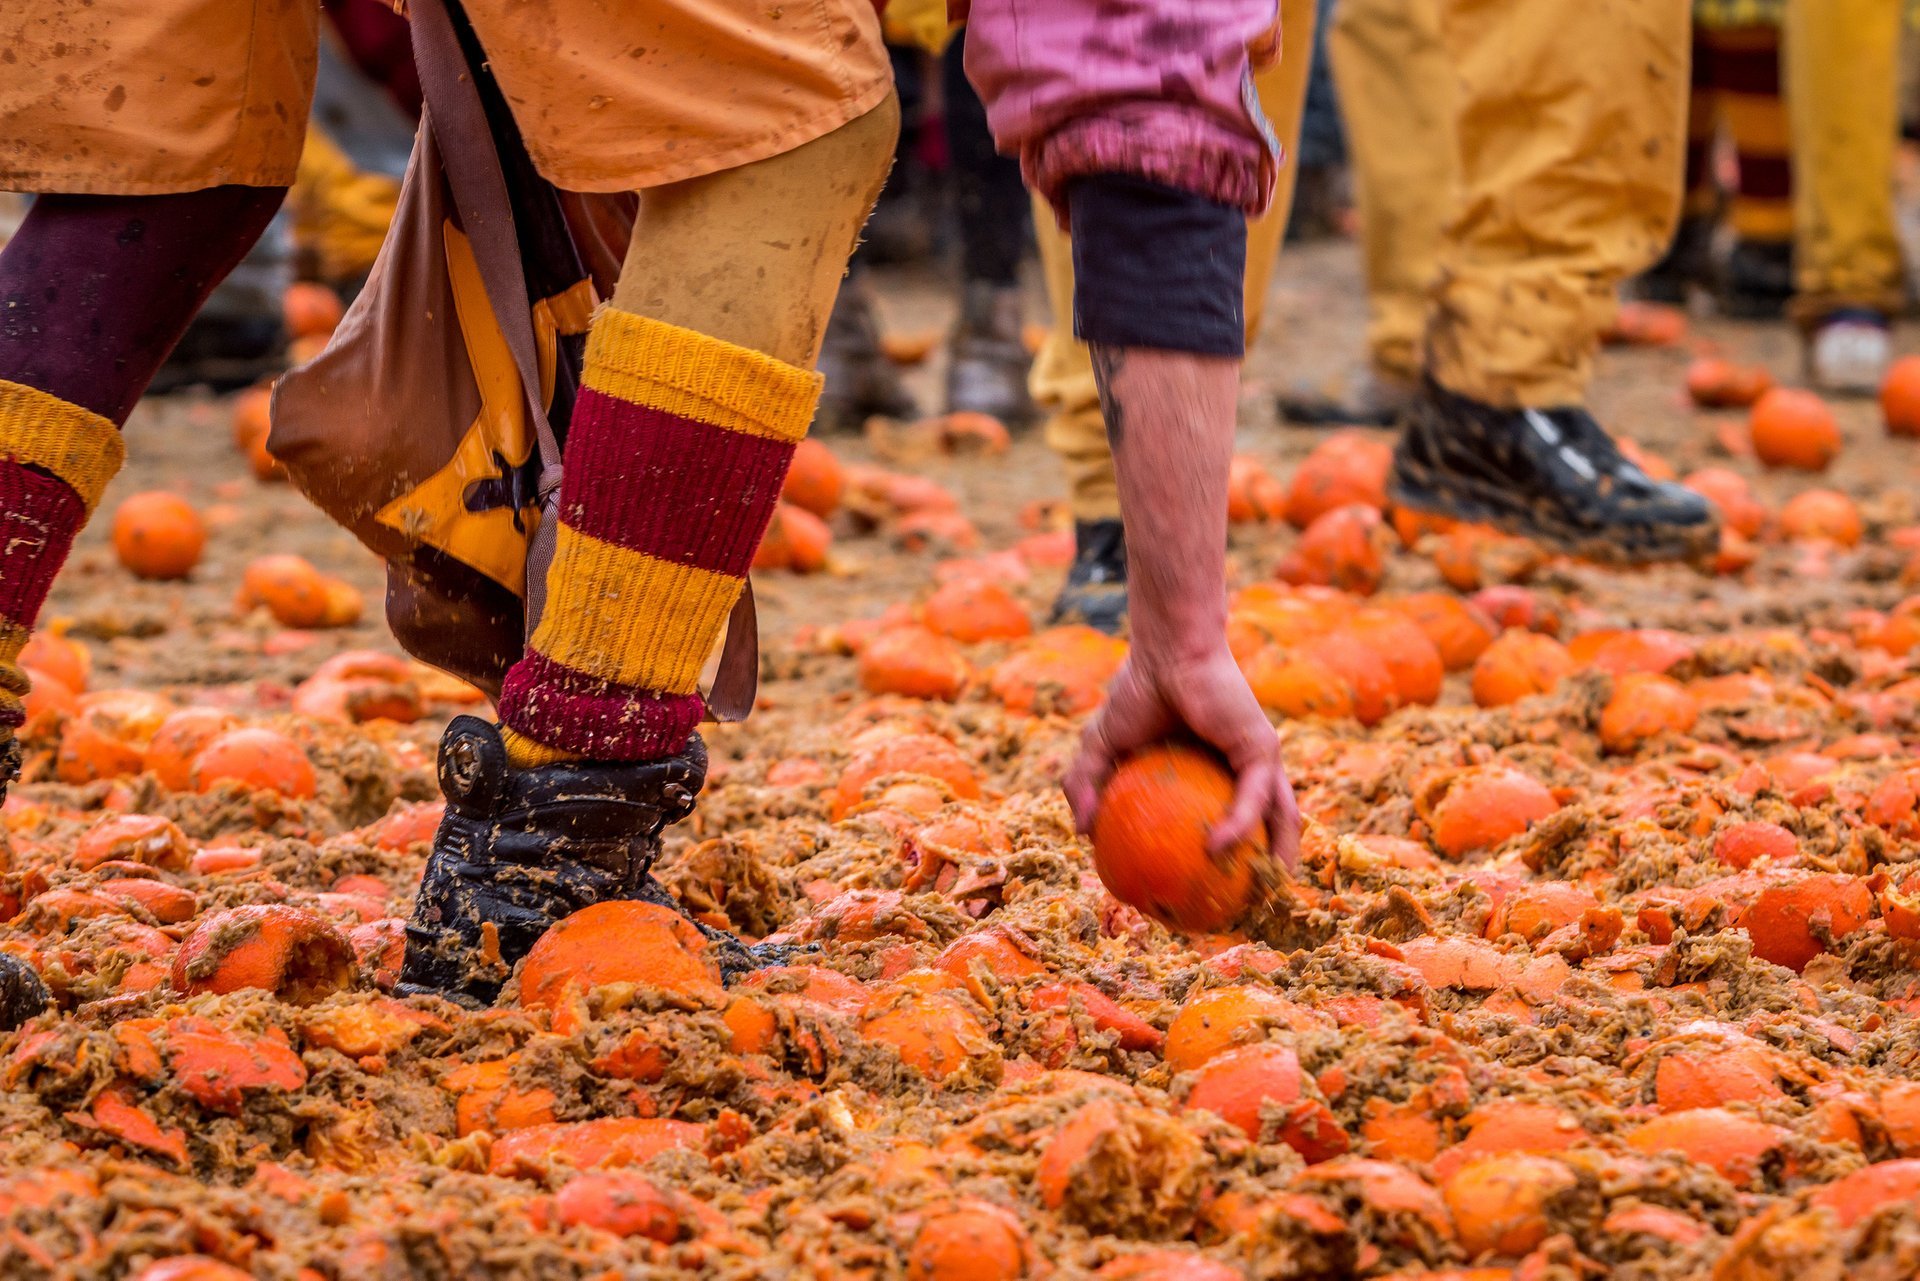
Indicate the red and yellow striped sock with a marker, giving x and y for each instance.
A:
(55, 461)
(1747, 72)
(674, 460)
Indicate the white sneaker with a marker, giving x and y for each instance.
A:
(1848, 356)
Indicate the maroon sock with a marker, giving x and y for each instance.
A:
(95, 291)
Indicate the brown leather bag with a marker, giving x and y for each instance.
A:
(428, 425)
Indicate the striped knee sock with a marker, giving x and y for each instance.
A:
(55, 460)
(1747, 69)
(674, 460)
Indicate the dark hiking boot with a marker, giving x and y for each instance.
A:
(23, 993)
(860, 380)
(988, 371)
(1096, 588)
(1757, 281)
(519, 849)
(1549, 474)
(1369, 398)
(1687, 265)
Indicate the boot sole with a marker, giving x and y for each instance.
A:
(1479, 503)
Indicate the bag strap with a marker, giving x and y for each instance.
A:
(479, 187)
(471, 160)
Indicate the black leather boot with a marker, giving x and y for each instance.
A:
(1552, 475)
(1756, 283)
(23, 993)
(1687, 264)
(1096, 587)
(519, 849)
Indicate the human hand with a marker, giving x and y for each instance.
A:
(1206, 696)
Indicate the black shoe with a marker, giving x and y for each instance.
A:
(1757, 281)
(23, 993)
(988, 373)
(1096, 588)
(1369, 398)
(1549, 474)
(519, 849)
(860, 380)
(1687, 264)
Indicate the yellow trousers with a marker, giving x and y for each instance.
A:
(1396, 99)
(1842, 84)
(1062, 377)
(1571, 120)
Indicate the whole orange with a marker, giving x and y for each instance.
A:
(1150, 838)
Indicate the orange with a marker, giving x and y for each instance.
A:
(64, 659)
(1790, 920)
(1728, 490)
(293, 952)
(1343, 469)
(1900, 397)
(1297, 687)
(1793, 428)
(974, 609)
(158, 535)
(1460, 633)
(1717, 383)
(1222, 1018)
(310, 309)
(969, 1240)
(1483, 807)
(292, 590)
(1345, 548)
(623, 1202)
(1644, 706)
(1743, 844)
(815, 479)
(258, 759)
(180, 738)
(1822, 513)
(914, 662)
(1500, 1202)
(1150, 838)
(1728, 1143)
(620, 941)
(796, 539)
(1519, 665)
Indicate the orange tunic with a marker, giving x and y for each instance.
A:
(138, 97)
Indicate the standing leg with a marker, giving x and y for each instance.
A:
(1571, 129)
(1688, 261)
(988, 372)
(1396, 96)
(1843, 80)
(698, 384)
(1758, 279)
(94, 293)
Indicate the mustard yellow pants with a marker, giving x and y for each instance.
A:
(1062, 377)
(1571, 124)
(1842, 85)
(1396, 99)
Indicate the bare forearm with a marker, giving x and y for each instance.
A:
(1170, 417)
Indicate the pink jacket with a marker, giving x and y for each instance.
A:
(1159, 89)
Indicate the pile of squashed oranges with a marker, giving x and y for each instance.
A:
(1603, 959)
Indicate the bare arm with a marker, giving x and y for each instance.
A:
(1170, 416)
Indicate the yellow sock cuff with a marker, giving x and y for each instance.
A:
(526, 753)
(77, 445)
(681, 371)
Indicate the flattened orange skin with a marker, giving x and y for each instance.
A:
(1150, 842)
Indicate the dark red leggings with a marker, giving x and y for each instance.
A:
(95, 291)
